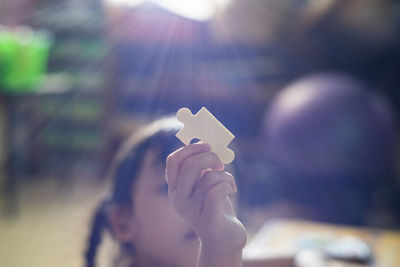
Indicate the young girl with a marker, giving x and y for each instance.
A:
(187, 222)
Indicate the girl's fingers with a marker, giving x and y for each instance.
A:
(175, 159)
(198, 186)
(215, 199)
(192, 169)
(207, 182)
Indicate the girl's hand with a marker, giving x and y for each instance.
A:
(199, 189)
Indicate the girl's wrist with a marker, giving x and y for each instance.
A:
(228, 240)
(231, 246)
(212, 254)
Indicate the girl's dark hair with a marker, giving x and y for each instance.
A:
(159, 135)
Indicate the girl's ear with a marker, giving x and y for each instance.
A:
(120, 218)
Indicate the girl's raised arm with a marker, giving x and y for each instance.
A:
(199, 190)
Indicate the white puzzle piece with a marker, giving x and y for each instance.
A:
(207, 128)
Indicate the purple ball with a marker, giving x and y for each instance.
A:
(329, 125)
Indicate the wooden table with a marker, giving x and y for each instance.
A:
(275, 244)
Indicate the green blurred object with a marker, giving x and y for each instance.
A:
(8, 55)
(23, 59)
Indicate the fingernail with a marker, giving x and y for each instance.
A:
(204, 144)
(207, 146)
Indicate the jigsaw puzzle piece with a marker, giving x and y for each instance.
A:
(206, 127)
(185, 116)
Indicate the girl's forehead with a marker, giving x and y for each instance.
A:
(155, 156)
(153, 165)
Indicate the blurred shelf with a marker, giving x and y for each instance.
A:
(74, 124)
(53, 84)
(69, 18)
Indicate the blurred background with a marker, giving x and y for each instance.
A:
(78, 76)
